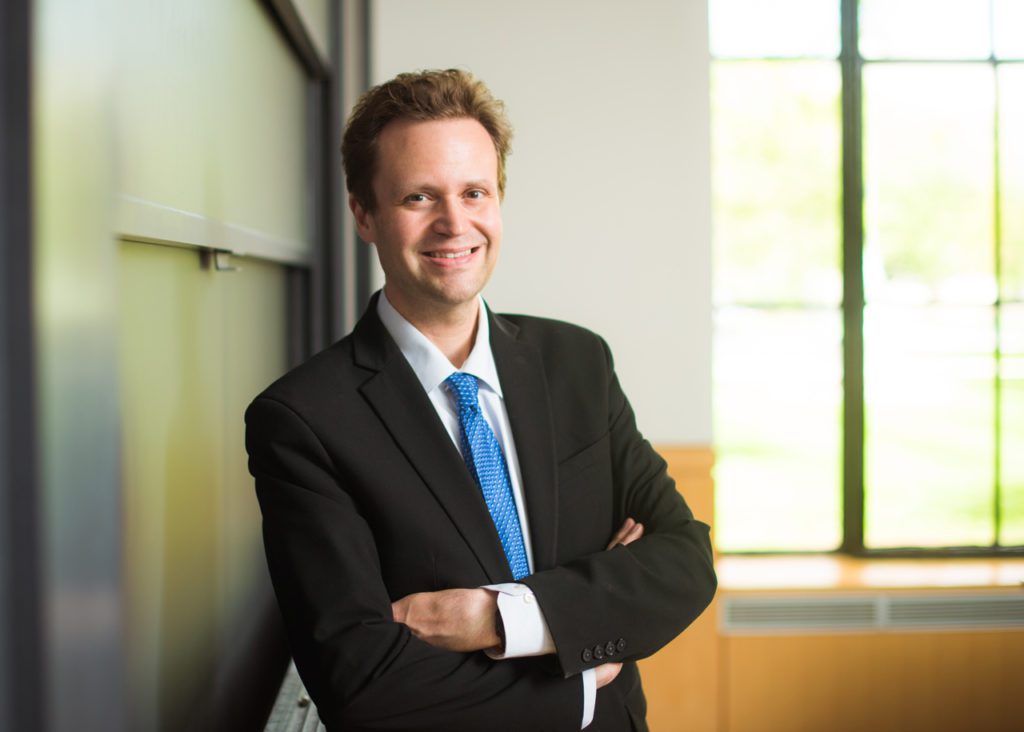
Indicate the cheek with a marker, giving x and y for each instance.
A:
(392, 238)
(493, 226)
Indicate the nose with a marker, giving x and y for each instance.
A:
(452, 219)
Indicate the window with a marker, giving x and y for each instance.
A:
(868, 178)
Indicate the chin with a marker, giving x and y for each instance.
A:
(459, 294)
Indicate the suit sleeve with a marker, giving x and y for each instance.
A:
(363, 670)
(633, 598)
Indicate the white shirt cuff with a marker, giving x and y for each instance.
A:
(589, 695)
(526, 630)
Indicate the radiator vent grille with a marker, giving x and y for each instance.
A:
(871, 612)
(961, 611)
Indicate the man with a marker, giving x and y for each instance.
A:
(464, 528)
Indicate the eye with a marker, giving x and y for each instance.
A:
(475, 193)
(414, 198)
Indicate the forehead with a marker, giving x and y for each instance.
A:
(436, 150)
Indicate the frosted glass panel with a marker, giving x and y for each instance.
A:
(195, 345)
(222, 131)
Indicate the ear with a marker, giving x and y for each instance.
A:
(364, 220)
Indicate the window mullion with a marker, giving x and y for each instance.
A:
(853, 285)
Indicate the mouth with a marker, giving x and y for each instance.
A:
(449, 254)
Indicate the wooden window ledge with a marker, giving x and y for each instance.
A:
(740, 574)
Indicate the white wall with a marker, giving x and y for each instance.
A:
(607, 220)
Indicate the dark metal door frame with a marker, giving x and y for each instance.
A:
(21, 649)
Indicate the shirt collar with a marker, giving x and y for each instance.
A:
(428, 363)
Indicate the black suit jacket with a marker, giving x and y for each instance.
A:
(365, 499)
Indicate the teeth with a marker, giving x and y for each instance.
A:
(452, 255)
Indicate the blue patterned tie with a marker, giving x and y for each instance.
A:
(483, 456)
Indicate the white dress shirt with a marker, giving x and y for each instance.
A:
(526, 630)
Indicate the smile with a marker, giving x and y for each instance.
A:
(452, 255)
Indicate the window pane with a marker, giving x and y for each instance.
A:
(1012, 477)
(925, 29)
(783, 28)
(1011, 169)
(1012, 402)
(1011, 332)
(930, 437)
(776, 150)
(928, 147)
(777, 400)
(1009, 28)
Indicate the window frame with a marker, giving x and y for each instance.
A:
(852, 306)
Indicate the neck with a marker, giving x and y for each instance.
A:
(452, 329)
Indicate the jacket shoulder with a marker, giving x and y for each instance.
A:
(554, 335)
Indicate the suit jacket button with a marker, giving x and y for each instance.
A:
(587, 655)
(609, 648)
(598, 651)
(620, 644)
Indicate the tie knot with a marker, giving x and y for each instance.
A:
(465, 388)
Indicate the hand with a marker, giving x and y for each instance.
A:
(606, 673)
(456, 620)
(629, 532)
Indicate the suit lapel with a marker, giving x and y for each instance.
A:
(529, 413)
(398, 398)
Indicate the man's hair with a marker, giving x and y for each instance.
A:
(418, 96)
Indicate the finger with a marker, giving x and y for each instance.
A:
(621, 534)
(624, 530)
(635, 533)
(606, 673)
(402, 607)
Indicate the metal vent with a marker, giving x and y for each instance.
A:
(969, 611)
(762, 613)
(815, 613)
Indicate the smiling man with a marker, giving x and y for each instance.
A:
(464, 527)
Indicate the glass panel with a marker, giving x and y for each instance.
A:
(1012, 474)
(1011, 174)
(928, 149)
(777, 396)
(929, 443)
(776, 154)
(925, 29)
(784, 28)
(1011, 331)
(194, 347)
(1009, 28)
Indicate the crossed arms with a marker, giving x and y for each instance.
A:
(466, 620)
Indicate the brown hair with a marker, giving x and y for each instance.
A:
(421, 96)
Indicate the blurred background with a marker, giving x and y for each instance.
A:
(799, 224)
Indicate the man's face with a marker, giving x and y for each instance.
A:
(437, 225)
